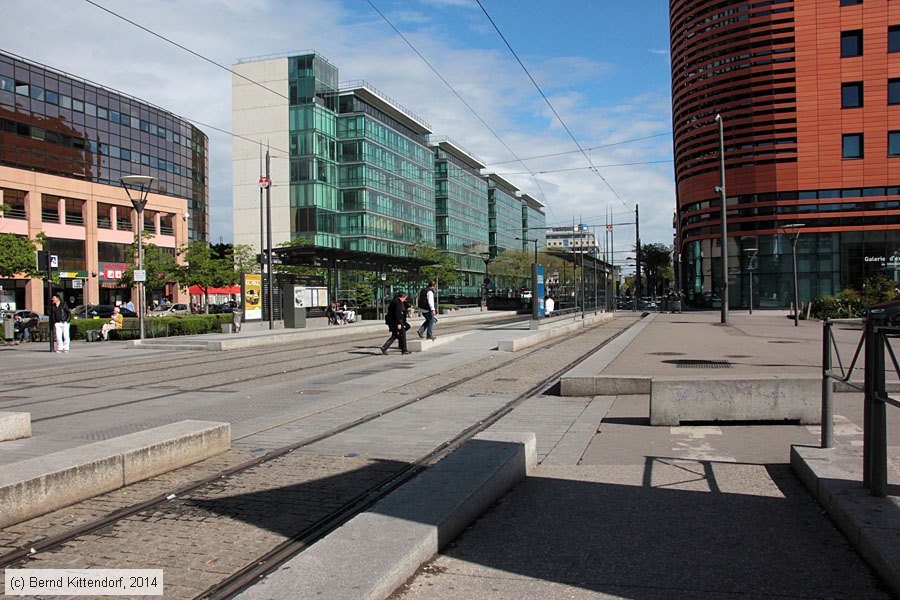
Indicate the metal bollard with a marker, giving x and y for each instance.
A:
(827, 440)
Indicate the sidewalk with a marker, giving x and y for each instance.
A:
(681, 512)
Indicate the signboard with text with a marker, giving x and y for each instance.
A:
(251, 296)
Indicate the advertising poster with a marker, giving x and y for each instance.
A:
(539, 295)
(251, 295)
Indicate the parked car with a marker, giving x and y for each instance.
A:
(884, 313)
(25, 314)
(218, 309)
(99, 311)
(170, 310)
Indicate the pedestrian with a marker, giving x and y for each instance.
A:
(60, 315)
(396, 322)
(428, 307)
(129, 305)
(115, 322)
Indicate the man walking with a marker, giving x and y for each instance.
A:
(427, 304)
(396, 322)
(59, 319)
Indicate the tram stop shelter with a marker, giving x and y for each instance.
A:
(336, 260)
(594, 289)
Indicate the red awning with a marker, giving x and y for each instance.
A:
(196, 290)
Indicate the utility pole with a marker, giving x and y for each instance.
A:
(637, 260)
(269, 241)
(721, 190)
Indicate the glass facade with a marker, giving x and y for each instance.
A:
(386, 179)
(461, 218)
(56, 123)
(505, 216)
(534, 222)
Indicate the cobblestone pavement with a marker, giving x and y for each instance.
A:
(208, 534)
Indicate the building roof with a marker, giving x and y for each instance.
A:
(498, 181)
(451, 147)
(372, 96)
(320, 256)
(533, 202)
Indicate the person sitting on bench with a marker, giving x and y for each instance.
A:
(115, 322)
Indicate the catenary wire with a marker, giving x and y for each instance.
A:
(547, 100)
(588, 149)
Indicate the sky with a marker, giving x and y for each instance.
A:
(602, 65)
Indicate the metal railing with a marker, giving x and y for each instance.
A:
(875, 343)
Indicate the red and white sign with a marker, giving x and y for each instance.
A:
(264, 182)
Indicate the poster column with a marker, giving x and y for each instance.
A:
(251, 294)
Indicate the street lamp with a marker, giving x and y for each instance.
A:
(534, 279)
(750, 270)
(720, 189)
(143, 183)
(792, 231)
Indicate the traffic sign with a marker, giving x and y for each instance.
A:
(54, 261)
(264, 182)
(140, 275)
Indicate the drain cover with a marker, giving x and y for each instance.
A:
(689, 363)
(667, 353)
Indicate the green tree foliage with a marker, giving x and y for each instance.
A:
(443, 271)
(159, 265)
(657, 262)
(512, 265)
(298, 269)
(850, 303)
(17, 255)
(203, 269)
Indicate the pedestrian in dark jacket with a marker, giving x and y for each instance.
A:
(59, 320)
(396, 322)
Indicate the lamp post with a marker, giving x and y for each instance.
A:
(792, 231)
(534, 279)
(721, 190)
(143, 183)
(750, 270)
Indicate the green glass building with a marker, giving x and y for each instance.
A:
(461, 215)
(504, 215)
(534, 221)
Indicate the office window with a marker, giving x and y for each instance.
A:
(852, 94)
(852, 146)
(894, 38)
(851, 43)
(893, 143)
(851, 2)
(893, 91)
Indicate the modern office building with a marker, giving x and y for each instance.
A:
(351, 169)
(461, 217)
(64, 144)
(504, 216)
(809, 95)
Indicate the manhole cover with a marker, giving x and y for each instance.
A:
(667, 353)
(506, 379)
(690, 363)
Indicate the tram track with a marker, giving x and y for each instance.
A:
(253, 370)
(353, 506)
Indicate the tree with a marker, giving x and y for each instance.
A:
(17, 255)
(203, 269)
(159, 266)
(513, 266)
(244, 259)
(657, 259)
(444, 269)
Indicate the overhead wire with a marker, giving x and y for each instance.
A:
(457, 94)
(544, 172)
(640, 139)
(547, 100)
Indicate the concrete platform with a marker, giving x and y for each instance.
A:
(834, 477)
(551, 330)
(14, 425)
(39, 485)
(373, 554)
(416, 344)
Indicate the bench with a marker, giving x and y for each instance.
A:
(128, 331)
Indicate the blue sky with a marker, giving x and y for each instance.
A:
(603, 65)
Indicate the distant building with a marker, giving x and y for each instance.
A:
(64, 144)
(577, 239)
(809, 93)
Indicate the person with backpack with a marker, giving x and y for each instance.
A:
(428, 306)
(396, 322)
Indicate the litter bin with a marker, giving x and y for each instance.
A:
(237, 315)
(9, 327)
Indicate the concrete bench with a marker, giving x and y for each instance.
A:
(40, 485)
(14, 425)
(674, 400)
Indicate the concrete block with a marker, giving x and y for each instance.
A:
(39, 485)
(604, 385)
(373, 554)
(550, 331)
(14, 425)
(415, 344)
(674, 400)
